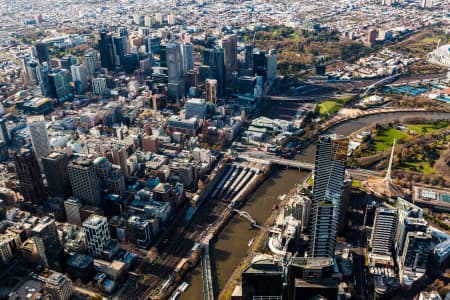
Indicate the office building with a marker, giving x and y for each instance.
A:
(414, 259)
(55, 169)
(46, 230)
(58, 286)
(42, 77)
(312, 278)
(119, 157)
(4, 132)
(214, 58)
(187, 52)
(39, 137)
(99, 86)
(383, 232)
(111, 176)
(141, 229)
(229, 45)
(90, 63)
(84, 181)
(40, 51)
(97, 234)
(427, 3)
(59, 83)
(195, 108)
(29, 176)
(211, 90)
(33, 252)
(271, 69)
(106, 47)
(79, 77)
(263, 279)
(327, 194)
(121, 49)
(6, 251)
(72, 208)
(175, 71)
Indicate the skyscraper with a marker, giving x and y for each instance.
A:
(175, 71)
(97, 234)
(106, 47)
(90, 63)
(29, 176)
(187, 52)
(121, 49)
(40, 51)
(229, 44)
(55, 169)
(327, 193)
(58, 286)
(211, 90)
(84, 181)
(59, 83)
(39, 137)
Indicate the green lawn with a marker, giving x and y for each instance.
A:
(430, 40)
(384, 141)
(331, 106)
(424, 129)
(421, 165)
(357, 183)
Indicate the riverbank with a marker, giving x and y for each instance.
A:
(259, 244)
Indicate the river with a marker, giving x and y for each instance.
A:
(231, 244)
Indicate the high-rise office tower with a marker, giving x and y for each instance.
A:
(229, 45)
(187, 52)
(46, 230)
(30, 180)
(106, 47)
(119, 156)
(40, 51)
(271, 70)
(84, 181)
(90, 63)
(214, 58)
(39, 137)
(55, 169)
(211, 90)
(121, 49)
(33, 251)
(4, 132)
(59, 83)
(97, 234)
(327, 194)
(383, 233)
(175, 71)
(79, 77)
(248, 59)
(42, 77)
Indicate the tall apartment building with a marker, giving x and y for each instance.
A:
(84, 181)
(39, 137)
(383, 232)
(29, 176)
(98, 86)
(55, 169)
(327, 194)
(79, 77)
(97, 234)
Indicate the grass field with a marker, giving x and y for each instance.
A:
(422, 166)
(384, 141)
(330, 107)
(424, 129)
